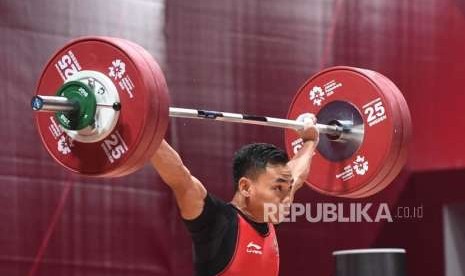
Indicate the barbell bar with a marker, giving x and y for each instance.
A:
(43, 103)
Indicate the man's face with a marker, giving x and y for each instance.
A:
(272, 187)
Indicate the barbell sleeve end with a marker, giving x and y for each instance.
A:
(37, 103)
(52, 104)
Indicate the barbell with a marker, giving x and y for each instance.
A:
(102, 109)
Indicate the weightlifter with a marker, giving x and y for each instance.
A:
(234, 238)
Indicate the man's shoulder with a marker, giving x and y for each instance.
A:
(219, 204)
(214, 210)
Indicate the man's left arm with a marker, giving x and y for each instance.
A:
(301, 162)
(300, 166)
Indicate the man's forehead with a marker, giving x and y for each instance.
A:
(281, 170)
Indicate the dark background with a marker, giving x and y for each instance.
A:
(239, 56)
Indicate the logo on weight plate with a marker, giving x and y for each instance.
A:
(64, 146)
(360, 165)
(117, 69)
(317, 95)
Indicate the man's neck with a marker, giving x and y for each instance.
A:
(241, 204)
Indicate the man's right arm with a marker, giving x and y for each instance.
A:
(188, 190)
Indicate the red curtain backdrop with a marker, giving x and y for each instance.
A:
(238, 56)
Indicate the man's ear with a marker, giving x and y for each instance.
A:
(245, 186)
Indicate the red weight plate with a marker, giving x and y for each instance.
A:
(162, 103)
(407, 128)
(365, 167)
(406, 136)
(140, 156)
(390, 165)
(130, 77)
(407, 123)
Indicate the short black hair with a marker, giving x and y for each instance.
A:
(252, 159)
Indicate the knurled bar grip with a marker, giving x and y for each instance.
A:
(250, 119)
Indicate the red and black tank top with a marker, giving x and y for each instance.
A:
(255, 254)
(227, 243)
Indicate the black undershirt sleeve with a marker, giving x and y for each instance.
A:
(213, 234)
